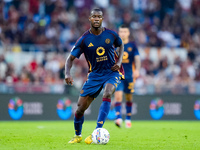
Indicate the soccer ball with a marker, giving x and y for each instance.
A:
(100, 136)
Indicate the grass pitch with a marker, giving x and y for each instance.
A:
(144, 135)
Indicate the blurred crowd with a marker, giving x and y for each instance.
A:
(181, 76)
(59, 23)
(157, 23)
(48, 71)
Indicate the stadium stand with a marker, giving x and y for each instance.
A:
(37, 35)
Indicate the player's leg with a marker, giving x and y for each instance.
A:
(83, 104)
(129, 89)
(109, 85)
(129, 98)
(105, 106)
(118, 102)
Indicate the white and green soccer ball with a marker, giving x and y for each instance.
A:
(100, 136)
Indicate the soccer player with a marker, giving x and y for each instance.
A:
(105, 70)
(131, 64)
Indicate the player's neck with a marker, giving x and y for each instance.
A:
(125, 41)
(96, 31)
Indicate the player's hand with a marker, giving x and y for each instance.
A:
(116, 67)
(69, 80)
(136, 74)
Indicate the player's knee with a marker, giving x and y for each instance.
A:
(79, 112)
(107, 94)
(129, 97)
(118, 96)
(118, 99)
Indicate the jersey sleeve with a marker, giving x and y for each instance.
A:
(118, 40)
(135, 50)
(77, 49)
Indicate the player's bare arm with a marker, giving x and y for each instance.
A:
(117, 65)
(137, 62)
(68, 66)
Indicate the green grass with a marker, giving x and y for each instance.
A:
(144, 135)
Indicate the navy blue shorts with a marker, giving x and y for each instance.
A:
(127, 86)
(95, 83)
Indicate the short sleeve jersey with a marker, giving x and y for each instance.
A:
(130, 51)
(99, 50)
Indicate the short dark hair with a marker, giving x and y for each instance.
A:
(124, 26)
(96, 9)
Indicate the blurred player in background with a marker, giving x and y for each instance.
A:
(105, 71)
(131, 64)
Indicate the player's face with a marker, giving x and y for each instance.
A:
(124, 33)
(96, 19)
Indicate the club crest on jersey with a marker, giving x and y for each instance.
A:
(107, 41)
(81, 91)
(129, 49)
(100, 51)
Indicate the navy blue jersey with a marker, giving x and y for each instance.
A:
(98, 50)
(130, 50)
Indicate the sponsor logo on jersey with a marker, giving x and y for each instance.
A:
(90, 45)
(100, 51)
